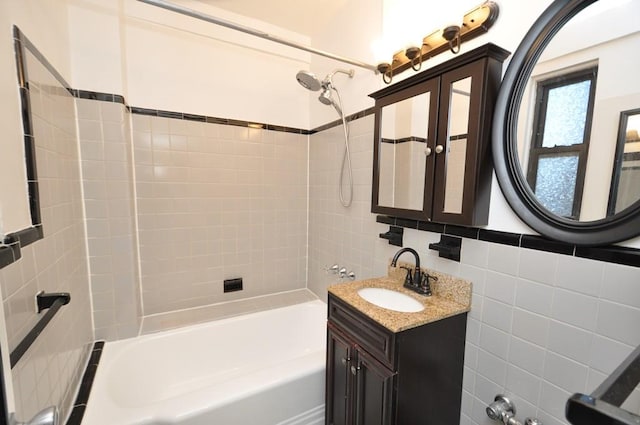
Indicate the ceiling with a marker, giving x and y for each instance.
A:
(301, 16)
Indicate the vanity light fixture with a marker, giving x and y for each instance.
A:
(474, 23)
(450, 33)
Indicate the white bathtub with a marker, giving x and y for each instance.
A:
(263, 368)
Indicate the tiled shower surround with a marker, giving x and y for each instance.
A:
(542, 326)
(50, 371)
(213, 202)
(217, 202)
(105, 143)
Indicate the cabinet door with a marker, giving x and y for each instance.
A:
(462, 145)
(338, 391)
(374, 402)
(403, 164)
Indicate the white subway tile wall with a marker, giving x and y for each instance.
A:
(542, 326)
(50, 371)
(106, 151)
(217, 202)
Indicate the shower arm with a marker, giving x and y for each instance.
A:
(247, 30)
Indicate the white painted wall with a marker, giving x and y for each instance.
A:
(162, 60)
(45, 23)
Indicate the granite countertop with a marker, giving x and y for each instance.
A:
(451, 296)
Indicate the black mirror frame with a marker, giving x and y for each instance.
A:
(511, 179)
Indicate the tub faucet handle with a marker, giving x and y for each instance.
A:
(333, 269)
(342, 272)
(48, 416)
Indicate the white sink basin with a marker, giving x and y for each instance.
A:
(391, 300)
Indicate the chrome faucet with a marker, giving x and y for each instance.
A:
(417, 282)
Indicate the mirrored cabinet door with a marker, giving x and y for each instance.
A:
(406, 142)
(458, 134)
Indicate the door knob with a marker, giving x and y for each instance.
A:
(427, 151)
(439, 148)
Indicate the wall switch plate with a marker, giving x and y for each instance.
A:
(232, 285)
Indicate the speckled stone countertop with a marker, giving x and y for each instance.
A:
(451, 296)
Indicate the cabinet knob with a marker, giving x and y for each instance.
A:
(354, 370)
(439, 148)
(427, 151)
(345, 361)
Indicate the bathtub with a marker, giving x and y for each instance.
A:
(263, 368)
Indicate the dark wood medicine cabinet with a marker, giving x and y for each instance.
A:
(431, 158)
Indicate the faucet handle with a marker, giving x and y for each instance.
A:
(333, 269)
(408, 280)
(424, 286)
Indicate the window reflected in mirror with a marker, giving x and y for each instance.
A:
(404, 132)
(625, 189)
(560, 140)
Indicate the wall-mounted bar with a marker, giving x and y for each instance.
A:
(448, 247)
(394, 235)
(247, 30)
(52, 302)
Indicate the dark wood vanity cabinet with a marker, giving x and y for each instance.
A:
(378, 377)
(432, 135)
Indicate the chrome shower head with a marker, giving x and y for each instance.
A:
(325, 96)
(308, 80)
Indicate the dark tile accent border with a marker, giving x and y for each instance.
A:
(385, 220)
(428, 226)
(82, 398)
(15, 241)
(611, 254)
(92, 95)
(409, 224)
(543, 244)
(214, 120)
(108, 97)
(503, 238)
(465, 232)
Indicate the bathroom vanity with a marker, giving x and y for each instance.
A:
(388, 367)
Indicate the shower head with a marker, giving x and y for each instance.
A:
(326, 98)
(308, 80)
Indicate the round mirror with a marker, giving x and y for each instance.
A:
(565, 132)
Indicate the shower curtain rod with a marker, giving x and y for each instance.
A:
(208, 18)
